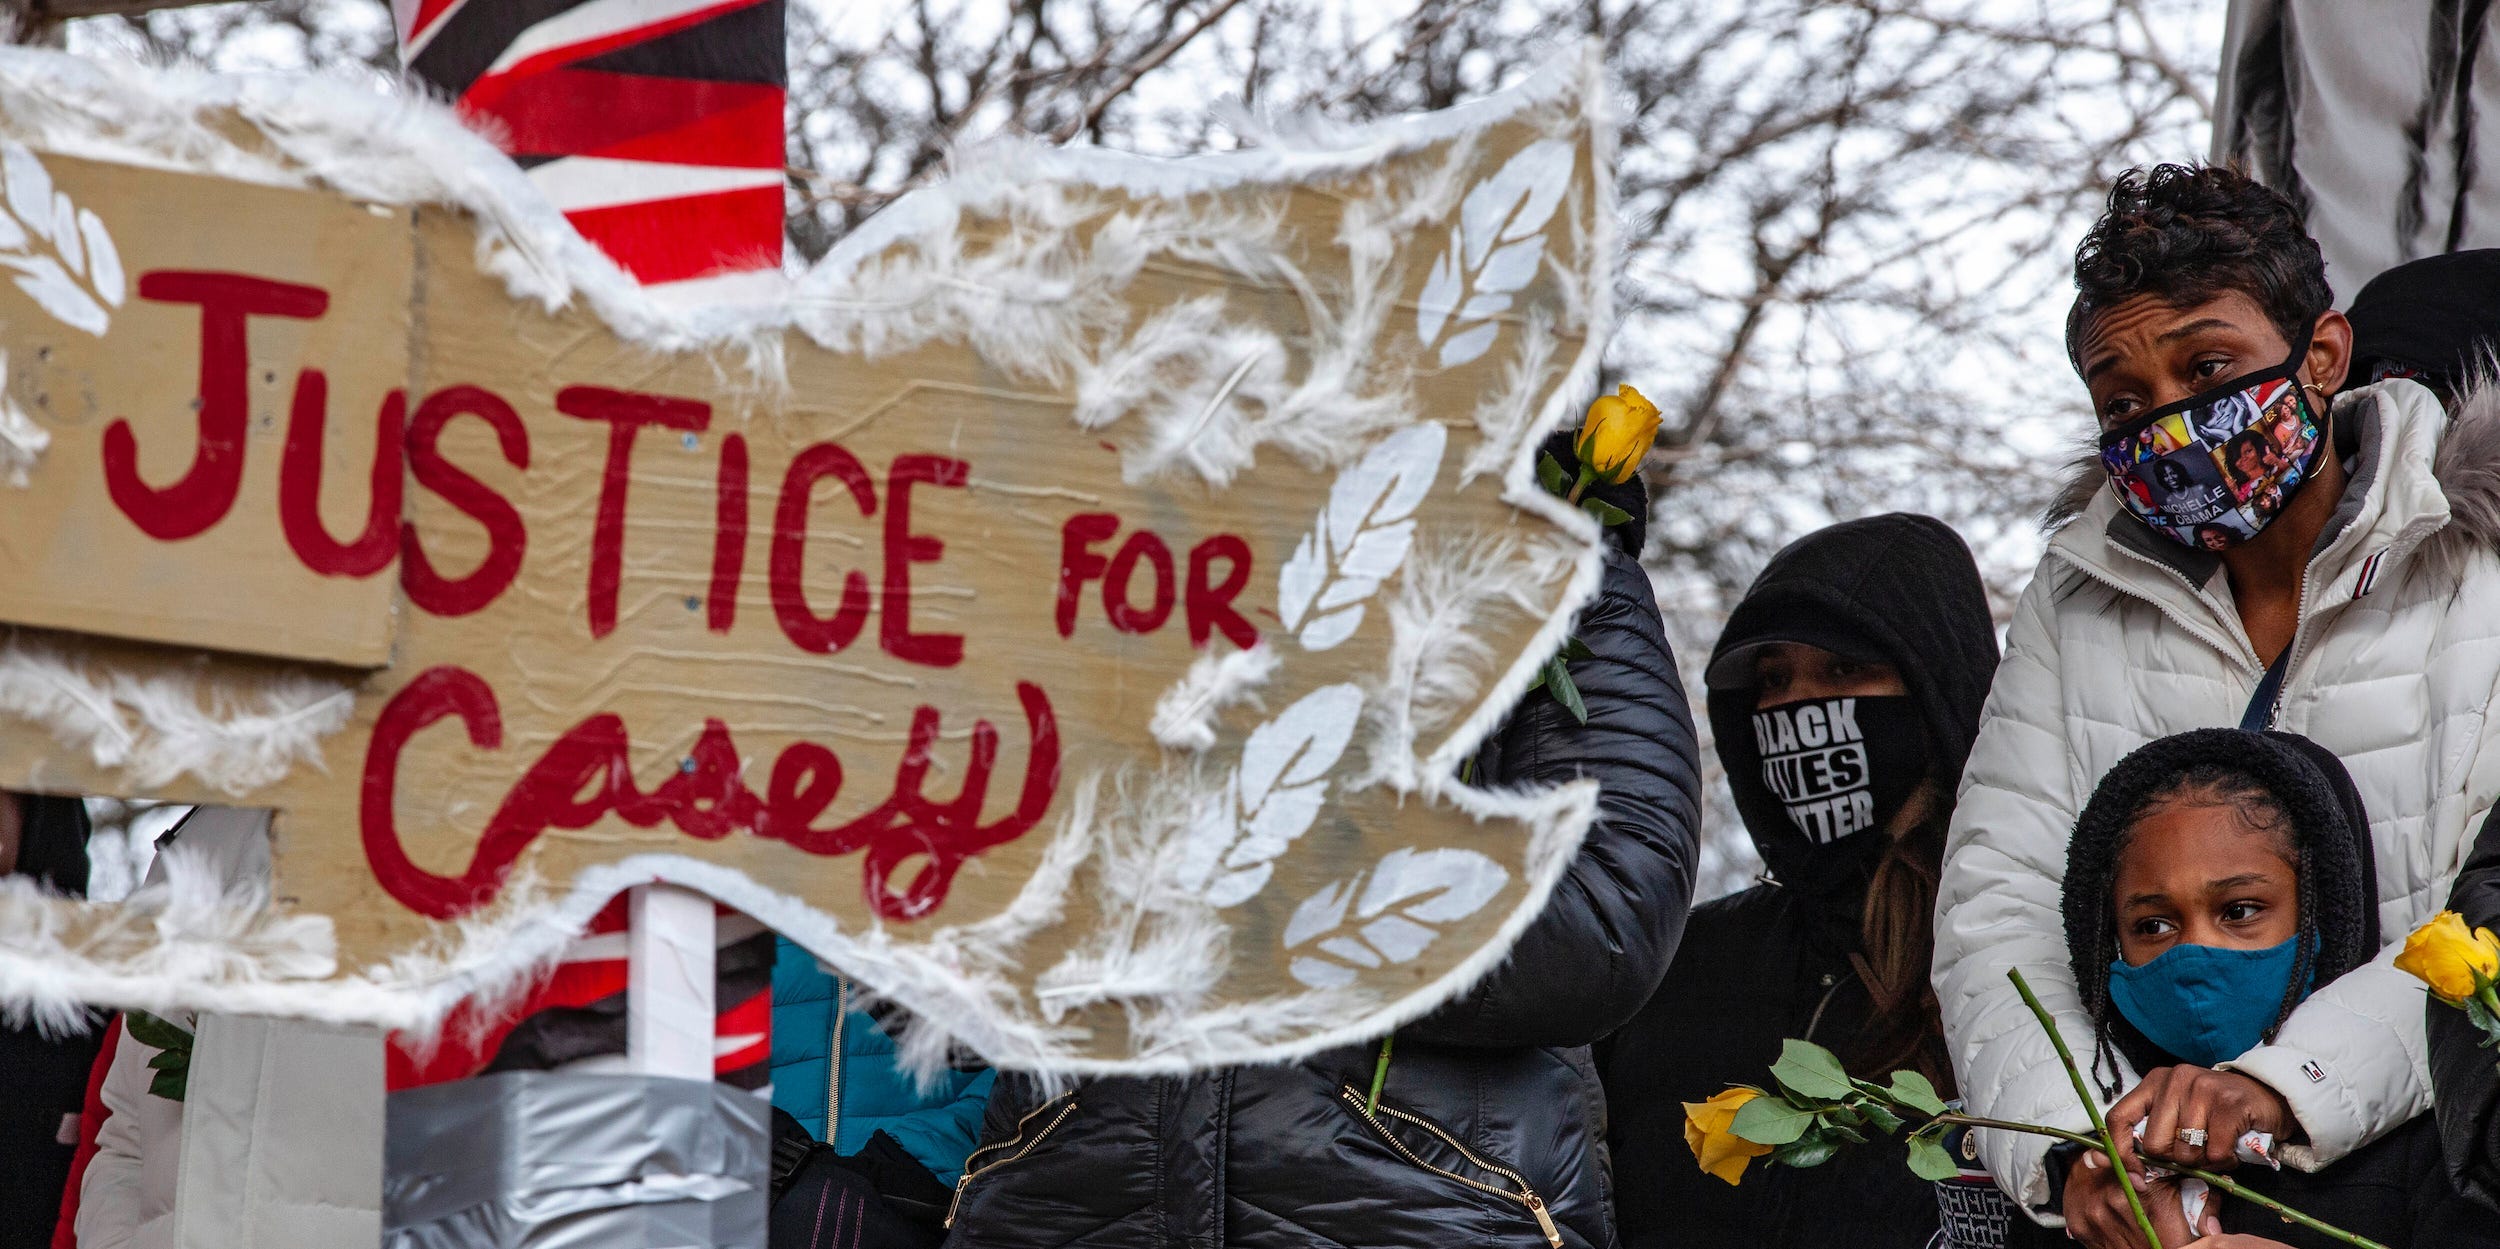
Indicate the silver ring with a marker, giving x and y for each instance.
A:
(2193, 1138)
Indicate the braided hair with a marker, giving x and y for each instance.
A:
(2278, 783)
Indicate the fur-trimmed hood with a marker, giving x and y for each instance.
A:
(2467, 468)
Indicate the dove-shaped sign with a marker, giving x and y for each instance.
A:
(1067, 611)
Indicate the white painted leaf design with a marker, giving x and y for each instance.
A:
(1391, 916)
(29, 187)
(50, 286)
(65, 233)
(1360, 538)
(104, 261)
(1271, 798)
(1493, 252)
(1444, 288)
(62, 255)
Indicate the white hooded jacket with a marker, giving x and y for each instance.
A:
(2124, 637)
(278, 1141)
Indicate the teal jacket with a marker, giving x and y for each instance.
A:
(864, 1092)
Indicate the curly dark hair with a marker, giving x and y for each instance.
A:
(2187, 233)
(2279, 783)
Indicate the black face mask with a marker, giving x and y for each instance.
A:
(1842, 768)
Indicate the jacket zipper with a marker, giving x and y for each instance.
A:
(2291, 649)
(1525, 1196)
(972, 1173)
(1831, 987)
(833, 1060)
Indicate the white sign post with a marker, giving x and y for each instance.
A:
(668, 983)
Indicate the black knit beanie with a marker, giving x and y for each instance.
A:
(2436, 319)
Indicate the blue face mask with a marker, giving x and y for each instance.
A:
(2203, 1004)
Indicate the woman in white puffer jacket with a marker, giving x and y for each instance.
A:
(2350, 594)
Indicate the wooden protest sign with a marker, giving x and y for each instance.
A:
(1067, 613)
(191, 358)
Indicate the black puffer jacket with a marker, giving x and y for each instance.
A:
(43, 1080)
(2465, 1085)
(1775, 961)
(1492, 1093)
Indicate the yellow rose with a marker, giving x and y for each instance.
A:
(2447, 957)
(1721, 1152)
(1617, 435)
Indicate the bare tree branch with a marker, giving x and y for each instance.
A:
(1129, 74)
(1844, 224)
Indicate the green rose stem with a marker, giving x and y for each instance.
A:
(2108, 1144)
(2002, 1125)
(1587, 475)
(1809, 1072)
(1380, 1074)
(2323, 1229)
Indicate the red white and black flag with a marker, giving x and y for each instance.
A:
(654, 125)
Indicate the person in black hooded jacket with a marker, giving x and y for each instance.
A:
(43, 1080)
(1844, 695)
(1489, 1124)
(2465, 1085)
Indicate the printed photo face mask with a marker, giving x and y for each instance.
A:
(1841, 765)
(2212, 470)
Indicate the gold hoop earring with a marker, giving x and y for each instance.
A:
(2325, 400)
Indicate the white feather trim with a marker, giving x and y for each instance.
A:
(192, 927)
(1160, 944)
(1437, 655)
(1184, 717)
(1509, 417)
(232, 734)
(22, 442)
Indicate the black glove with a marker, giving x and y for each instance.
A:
(878, 1198)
